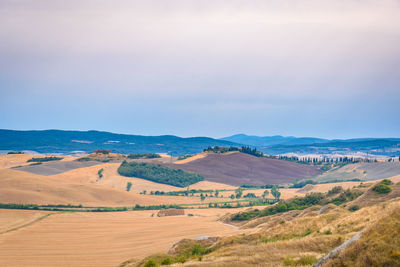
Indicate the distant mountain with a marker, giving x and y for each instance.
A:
(383, 146)
(260, 141)
(274, 145)
(66, 142)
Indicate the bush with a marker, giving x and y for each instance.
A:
(346, 196)
(354, 208)
(382, 189)
(386, 182)
(158, 173)
(335, 190)
(167, 261)
(328, 232)
(151, 263)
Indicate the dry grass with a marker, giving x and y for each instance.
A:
(293, 237)
(378, 246)
(22, 187)
(190, 159)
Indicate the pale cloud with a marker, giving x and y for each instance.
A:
(210, 58)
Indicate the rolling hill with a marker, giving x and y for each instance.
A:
(274, 145)
(258, 141)
(67, 142)
(239, 168)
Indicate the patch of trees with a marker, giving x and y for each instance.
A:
(345, 196)
(184, 157)
(181, 193)
(243, 149)
(102, 151)
(156, 207)
(250, 195)
(159, 174)
(19, 206)
(267, 186)
(144, 156)
(15, 152)
(45, 159)
(298, 203)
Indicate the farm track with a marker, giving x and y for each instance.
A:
(27, 224)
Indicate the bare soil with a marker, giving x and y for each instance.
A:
(238, 168)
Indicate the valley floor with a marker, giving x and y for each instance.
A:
(97, 239)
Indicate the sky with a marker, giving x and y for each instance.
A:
(323, 68)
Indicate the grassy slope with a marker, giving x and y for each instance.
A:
(302, 237)
(378, 246)
(365, 171)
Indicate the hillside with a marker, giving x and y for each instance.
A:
(239, 168)
(364, 170)
(362, 236)
(278, 144)
(58, 141)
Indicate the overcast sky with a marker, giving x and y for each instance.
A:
(202, 68)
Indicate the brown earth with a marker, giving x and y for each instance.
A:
(239, 168)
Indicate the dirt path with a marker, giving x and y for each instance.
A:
(26, 224)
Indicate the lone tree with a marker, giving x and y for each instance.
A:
(239, 192)
(275, 192)
(128, 186)
(202, 197)
(265, 194)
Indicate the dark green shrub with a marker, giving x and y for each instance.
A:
(166, 261)
(354, 208)
(382, 189)
(386, 182)
(335, 190)
(151, 263)
(328, 232)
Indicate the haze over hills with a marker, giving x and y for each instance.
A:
(273, 140)
(69, 142)
(309, 145)
(59, 141)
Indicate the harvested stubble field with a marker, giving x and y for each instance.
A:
(98, 239)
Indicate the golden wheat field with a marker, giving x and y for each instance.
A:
(98, 239)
